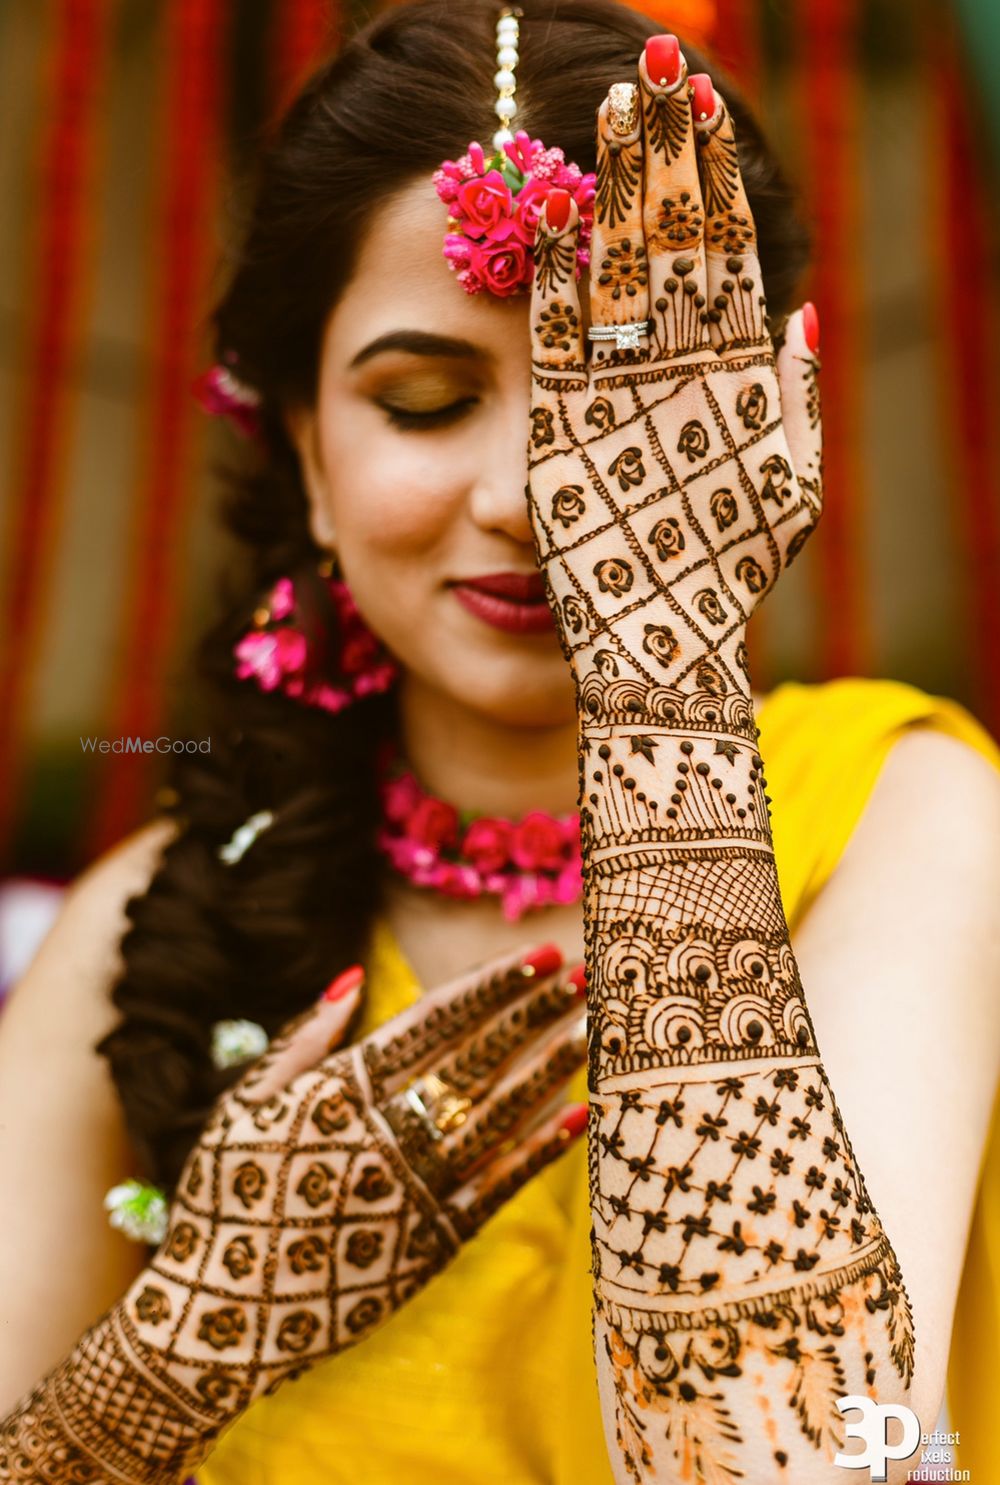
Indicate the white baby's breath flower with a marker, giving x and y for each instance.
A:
(139, 1210)
(234, 1042)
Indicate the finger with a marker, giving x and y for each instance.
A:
(673, 212)
(618, 268)
(486, 1192)
(411, 1041)
(305, 1041)
(557, 343)
(472, 1068)
(519, 1098)
(736, 309)
(798, 377)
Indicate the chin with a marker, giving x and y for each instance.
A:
(526, 689)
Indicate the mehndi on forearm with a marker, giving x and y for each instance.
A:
(743, 1281)
(101, 1416)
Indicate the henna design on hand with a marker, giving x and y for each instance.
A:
(733, 1236)
(301, 1223)
(618, 177)
(732, 1225)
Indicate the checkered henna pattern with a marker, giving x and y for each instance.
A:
(300, 1225)
(743, 1281)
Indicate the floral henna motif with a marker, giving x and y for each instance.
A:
(299, 1225)
(734, 1239)
(682, 305)
(732, 1224)
(680, 222)
(624, 269)
(558, 325)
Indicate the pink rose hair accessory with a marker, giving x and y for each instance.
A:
(220, 392)
(278, 656)
(494, 204)
(530, 863)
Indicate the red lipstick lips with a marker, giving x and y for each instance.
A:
(514, 601)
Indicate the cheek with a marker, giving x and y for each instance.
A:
(390, 493)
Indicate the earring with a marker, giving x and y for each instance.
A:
(288, 648)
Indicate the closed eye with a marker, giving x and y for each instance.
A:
(435, 417)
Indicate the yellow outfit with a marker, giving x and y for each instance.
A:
(486, 1377)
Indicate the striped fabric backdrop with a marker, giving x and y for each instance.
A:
(123, 121)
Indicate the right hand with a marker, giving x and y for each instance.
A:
(318, 1199)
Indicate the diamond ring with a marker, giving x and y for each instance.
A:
(625, 337)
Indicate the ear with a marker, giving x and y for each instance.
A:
(302, 429)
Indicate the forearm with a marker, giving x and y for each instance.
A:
(104, 1415)
(743, 1281)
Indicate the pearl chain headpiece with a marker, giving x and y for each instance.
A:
(494, 204)
(504, 77)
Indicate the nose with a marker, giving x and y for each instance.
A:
(499, 500)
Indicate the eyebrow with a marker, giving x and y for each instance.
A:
(418, 343)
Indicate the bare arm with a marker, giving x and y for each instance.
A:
(62, 1141)
(901, 950)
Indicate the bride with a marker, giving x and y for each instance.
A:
(534, 427)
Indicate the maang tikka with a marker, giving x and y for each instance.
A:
(494, 203)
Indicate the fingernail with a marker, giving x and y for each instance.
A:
(702, 96)
(810, 325)
(623, 108)
(578, 979)
(663, 60)
(574, 1121)
(557, 205)
(542, 961)
(345, 982)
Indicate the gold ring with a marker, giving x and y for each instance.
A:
(623, 108)
(433, 1099)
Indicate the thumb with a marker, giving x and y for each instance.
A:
(798, 378)
(307, 1039)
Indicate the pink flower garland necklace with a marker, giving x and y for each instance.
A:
(534, 862)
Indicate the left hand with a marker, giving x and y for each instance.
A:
(669, 484)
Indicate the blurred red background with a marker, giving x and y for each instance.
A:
(124, 129)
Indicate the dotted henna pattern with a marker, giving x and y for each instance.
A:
(743, 1280)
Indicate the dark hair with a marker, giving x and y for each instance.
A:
(260, 939)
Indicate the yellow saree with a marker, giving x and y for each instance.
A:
(486, 1378)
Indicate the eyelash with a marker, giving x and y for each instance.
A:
(439, 417)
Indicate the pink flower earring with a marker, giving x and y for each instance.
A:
(278, 655)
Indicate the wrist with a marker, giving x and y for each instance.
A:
(101, 1415)
(624, 684)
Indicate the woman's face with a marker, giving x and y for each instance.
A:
(415, 465)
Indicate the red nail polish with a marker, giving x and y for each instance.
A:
(578, 978)
(349, 980)
(663, 60)
(542, 961)
(557, 204)
(703, 96)
(574, 1121)
(810, 326)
